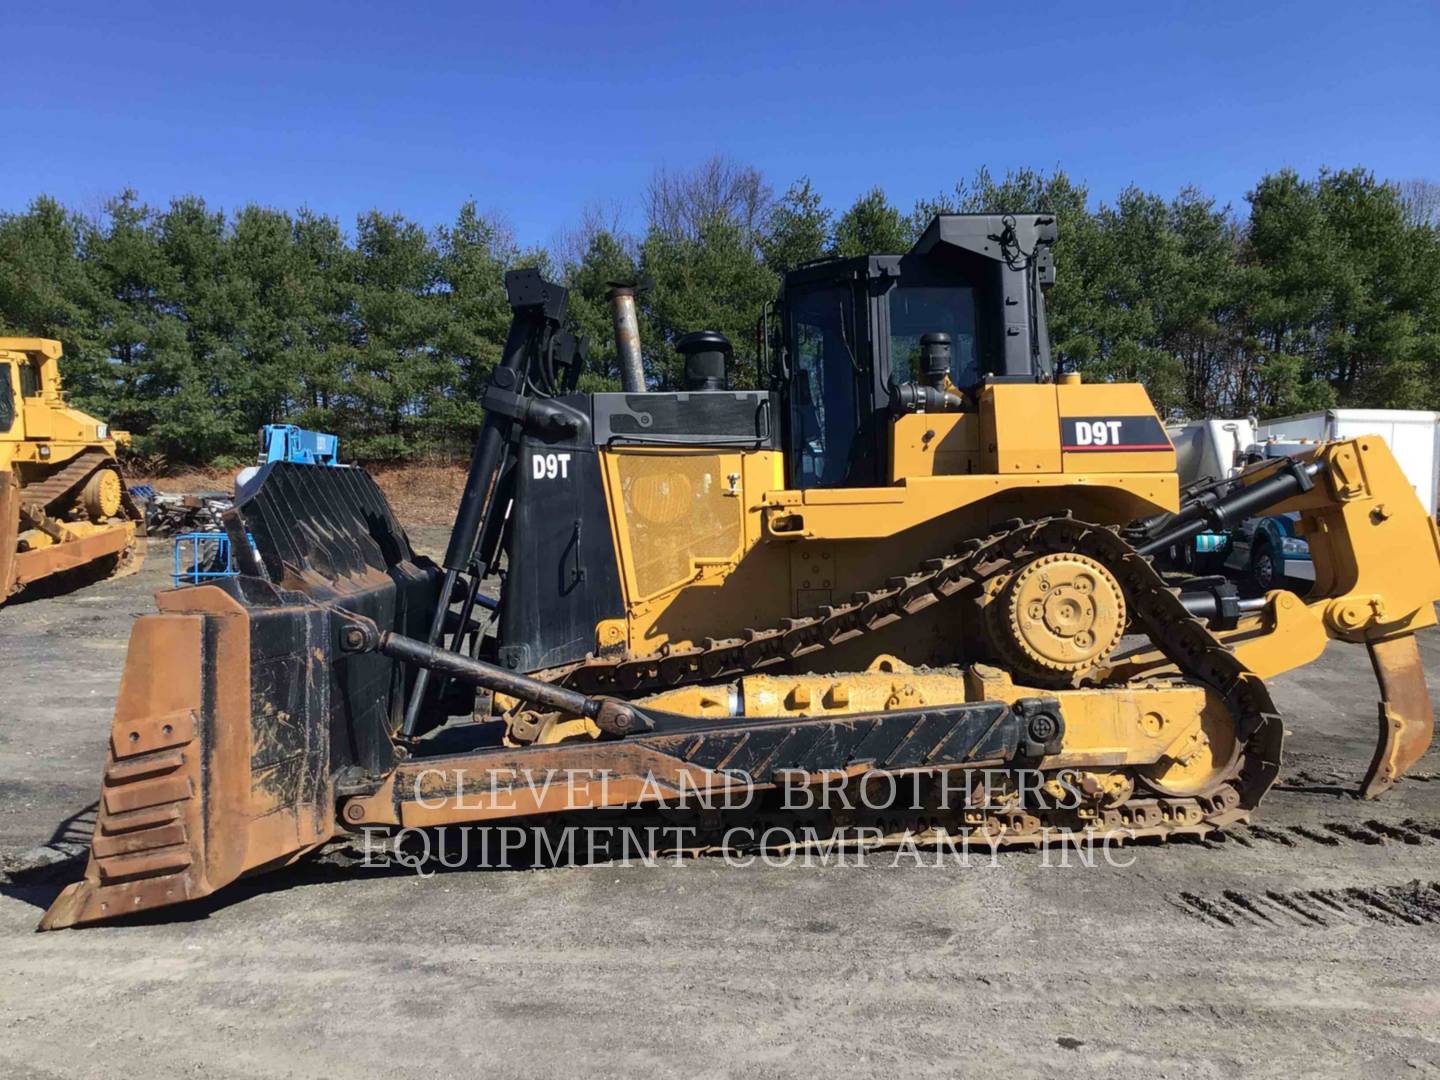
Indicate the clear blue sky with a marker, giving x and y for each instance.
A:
(538, 109)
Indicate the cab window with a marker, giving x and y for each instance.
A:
(916, 310)
(29, 380)
(7, 402)
(824, 412)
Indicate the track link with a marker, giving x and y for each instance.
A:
(1154, 609)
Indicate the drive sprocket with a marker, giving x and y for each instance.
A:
(1056, 617)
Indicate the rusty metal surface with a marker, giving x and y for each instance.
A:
(276, 714)
(627, 338)
(206, 779)
(73, 554)
(148, 847)
(9, 533)
(1406, 715)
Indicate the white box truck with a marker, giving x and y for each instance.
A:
(1266, 549)
(1210, 449)
(1413, 437)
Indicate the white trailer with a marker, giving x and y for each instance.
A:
(1413, 437)
(1266, 549)
(1210, 449)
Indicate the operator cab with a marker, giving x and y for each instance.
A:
(863, 339)
(28, 373)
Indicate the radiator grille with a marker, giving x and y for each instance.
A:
(676, 512)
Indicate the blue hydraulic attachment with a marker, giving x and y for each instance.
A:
(286, 442)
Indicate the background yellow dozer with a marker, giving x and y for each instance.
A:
(63, 503)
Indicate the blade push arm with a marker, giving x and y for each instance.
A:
(1377, 578)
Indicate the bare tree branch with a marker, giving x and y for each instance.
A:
(680, 202)
(1419, 201)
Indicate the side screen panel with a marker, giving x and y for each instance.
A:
(563, 577)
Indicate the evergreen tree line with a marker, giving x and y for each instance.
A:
(192, 327)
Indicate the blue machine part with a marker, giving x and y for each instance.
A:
(1206, 542)
(202, 557)
(206, 556)
(286, 442)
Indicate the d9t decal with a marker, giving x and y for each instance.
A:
(1100, 433)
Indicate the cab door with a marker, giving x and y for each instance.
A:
(830, 399)
(12, 422)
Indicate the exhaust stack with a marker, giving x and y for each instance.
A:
(627, 337)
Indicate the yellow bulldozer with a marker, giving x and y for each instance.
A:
(63, 501)
(911, 576)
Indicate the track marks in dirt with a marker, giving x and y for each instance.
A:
(1415, 904)
(1371, 833)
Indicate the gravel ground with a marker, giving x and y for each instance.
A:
(1305, 944)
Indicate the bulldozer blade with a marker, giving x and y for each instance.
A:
(119, 540)
(9, 533)
(238, 715)
(1406, 717)
(114, 541)
(217, 764)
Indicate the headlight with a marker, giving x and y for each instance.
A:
(1294, 546)
(102, 431)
